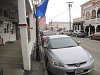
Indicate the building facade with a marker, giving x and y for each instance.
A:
(78, 24)
(90, 15)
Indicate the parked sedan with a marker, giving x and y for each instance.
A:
(69, 32)
(95, 36)
(44, 35)
(64, 56)
(78, 33)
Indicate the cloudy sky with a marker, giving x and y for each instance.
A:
(57, 10)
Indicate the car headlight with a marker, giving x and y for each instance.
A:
(90, 58)
(56, 64)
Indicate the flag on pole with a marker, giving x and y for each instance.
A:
(42, 20)
(41, 9)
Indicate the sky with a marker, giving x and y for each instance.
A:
(57, 10)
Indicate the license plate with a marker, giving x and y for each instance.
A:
(78, 71)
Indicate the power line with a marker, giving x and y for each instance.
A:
(58, 15)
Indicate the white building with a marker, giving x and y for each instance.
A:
(62, 25)
(90, 13)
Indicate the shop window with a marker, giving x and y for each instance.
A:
(98, 13)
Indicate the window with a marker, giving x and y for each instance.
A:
(98, 13)
(5, 13)
(1, 11)
(93, 14)
(87, 15)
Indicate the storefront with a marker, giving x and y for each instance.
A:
(78, 24)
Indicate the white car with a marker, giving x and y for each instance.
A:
(64, 56)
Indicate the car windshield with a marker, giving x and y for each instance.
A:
(63, 42)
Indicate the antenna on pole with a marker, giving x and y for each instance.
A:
(69, 5)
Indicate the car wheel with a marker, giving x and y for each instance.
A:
(47, 66)
(50, 73)
(47, 63)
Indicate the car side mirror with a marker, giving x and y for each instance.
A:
(78, 42)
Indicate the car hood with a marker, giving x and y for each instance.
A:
(71, 55)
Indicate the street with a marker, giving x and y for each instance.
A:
(93, 46)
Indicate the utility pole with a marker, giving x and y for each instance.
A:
(51, 22)
(51, 25)
(69, 5)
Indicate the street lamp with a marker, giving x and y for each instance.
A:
(37, 33)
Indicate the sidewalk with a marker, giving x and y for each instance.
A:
(13, 67)
(37, 69)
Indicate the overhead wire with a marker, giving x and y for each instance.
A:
(58, 15)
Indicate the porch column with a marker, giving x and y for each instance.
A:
(24, 34)
(74, 27)
(79, 27)
(89, 32)
(34, 30)
(31, 22)
(95, 28)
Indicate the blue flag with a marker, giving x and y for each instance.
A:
(41, 10)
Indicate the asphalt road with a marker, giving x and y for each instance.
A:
(93, 46)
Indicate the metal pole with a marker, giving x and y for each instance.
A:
(37, 40)
(69, 16)
(69, 5)
(9, 30)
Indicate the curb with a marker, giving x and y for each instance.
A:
(43, 61)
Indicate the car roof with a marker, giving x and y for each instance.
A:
(46, 30)
(57, 36)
